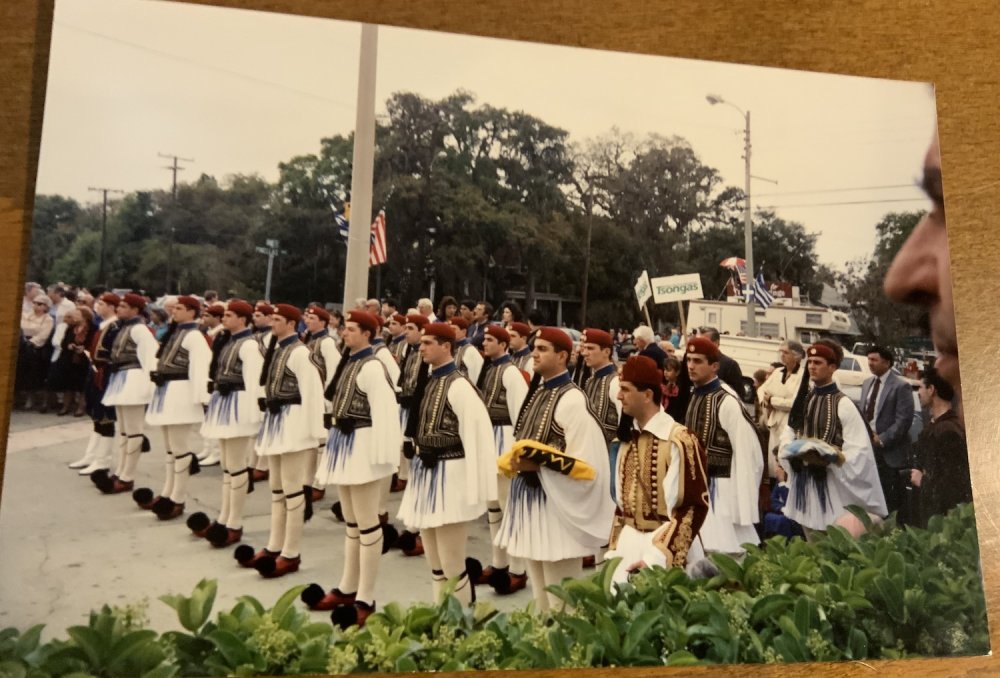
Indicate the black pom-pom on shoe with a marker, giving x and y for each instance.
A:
(500, 580)
(344, 616)
(198, 523)
(243, 553)
(143, 497)
(406, 540)
(266, 565)
(99, 476)
(216, 534)
(312, 595)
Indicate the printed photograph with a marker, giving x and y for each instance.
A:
(352, 348)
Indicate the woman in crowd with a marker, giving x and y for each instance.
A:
(510, 313)
(159, 322)
(33, 356)
(447, 308)
(68, 374)
(778, 393)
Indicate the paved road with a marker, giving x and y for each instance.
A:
(66, 549)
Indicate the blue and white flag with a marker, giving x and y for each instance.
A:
(343, 220)
(760, 292)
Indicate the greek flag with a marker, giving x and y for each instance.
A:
(343, 220)
(761, 293)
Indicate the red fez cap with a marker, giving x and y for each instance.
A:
(288, 312)
(399, 317)
(190, 302)
(442, 330)
(364, 319)
(558, 338)
(215, 309)
(702, 346)
(264, 307)
(520, 328)
(110, 298)
(497, 332)
(416, 319)
(599, 337)
(379, 319)
(641, 370)
(240, 308)
(459, 322)
(134, 300)
(822, 351)
(319, 312)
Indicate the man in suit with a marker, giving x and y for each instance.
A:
(887, 406)
(645, 343)
(729, 370)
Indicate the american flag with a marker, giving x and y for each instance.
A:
(377, 252)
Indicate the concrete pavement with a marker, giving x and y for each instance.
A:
(66, 549)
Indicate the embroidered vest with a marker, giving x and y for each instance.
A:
(703, 418)
(411, 369)
(230, 369)
(124, 352)
(537, 420)
(598, 393)
(174, 359)
(495, 395)
(349, 401)
(281, 381)
(521, 360)
(438, 428)
(460, 358)
(821, 420)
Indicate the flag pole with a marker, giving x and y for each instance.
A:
(363, 171)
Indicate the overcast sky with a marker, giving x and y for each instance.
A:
(241, 91)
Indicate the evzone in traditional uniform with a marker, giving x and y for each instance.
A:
(178, 406)
(467, 357)
(101, 444)
(262, 313)
(503, 389)
(397, 336)
(325, 356)
(452, 477)
(601, 387)
(735, 461)
(560, 507)
(362, 451)
(386, 357)
(827, 452)
(520, 352)
(211, 452)
(291, 430)
(413, 374)
(661, 480)
(233, 419)
(129, 390)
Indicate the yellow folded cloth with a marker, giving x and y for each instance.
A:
(544, 455)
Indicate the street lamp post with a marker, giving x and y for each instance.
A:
(748, 223)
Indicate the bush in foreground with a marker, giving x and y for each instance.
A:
(892, 594)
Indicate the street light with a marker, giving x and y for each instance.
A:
(748, 224)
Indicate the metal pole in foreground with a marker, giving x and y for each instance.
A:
(363, 174)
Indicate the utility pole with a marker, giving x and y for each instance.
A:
(272, 249)
(174, 168)
(104, 228)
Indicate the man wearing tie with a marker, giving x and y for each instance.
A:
(887, 405)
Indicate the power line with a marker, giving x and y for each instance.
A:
(852, 202)
(838, 190)
(201, 64)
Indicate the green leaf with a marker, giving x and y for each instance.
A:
(286, 600)
(638, 629)
(729, 567)
(857, 644)
(805, 615)
(88, 640)
(231, 647)
(28, 641)
(607, 575)
(683, 658)
(892, 596)
(768, 608)
(201, 601)
(406, 664)
(11, 669)
(863, 516)
(251, 603)
(126, 646)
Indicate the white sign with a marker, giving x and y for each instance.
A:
(642, 289)
(677, 288)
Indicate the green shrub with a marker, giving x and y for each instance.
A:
(892, 594)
